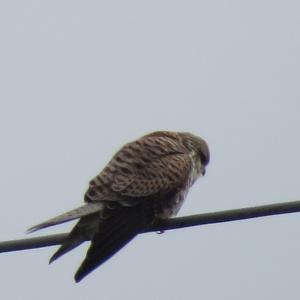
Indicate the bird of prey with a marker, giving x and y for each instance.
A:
(145, 181)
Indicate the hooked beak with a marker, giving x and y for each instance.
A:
(203, 171)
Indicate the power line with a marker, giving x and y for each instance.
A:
(174, 223)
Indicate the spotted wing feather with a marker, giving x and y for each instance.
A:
(151, 165)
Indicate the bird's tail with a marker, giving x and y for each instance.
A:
(112, 234)
(81, 232)
(76, 213)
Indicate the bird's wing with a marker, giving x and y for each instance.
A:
(151, 165)
(158, 177)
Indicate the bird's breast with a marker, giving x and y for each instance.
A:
(169, 206)
(195, 172)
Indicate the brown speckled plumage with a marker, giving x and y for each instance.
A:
(146, 180)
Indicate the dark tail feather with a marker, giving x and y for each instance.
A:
(81, 232)
(73, 240)
(113, 234)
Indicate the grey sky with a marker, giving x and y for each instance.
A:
(80, 78)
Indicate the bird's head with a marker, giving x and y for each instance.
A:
(198, 146)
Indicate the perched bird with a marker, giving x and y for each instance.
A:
(145, 181)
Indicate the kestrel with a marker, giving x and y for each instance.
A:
(145, 181)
